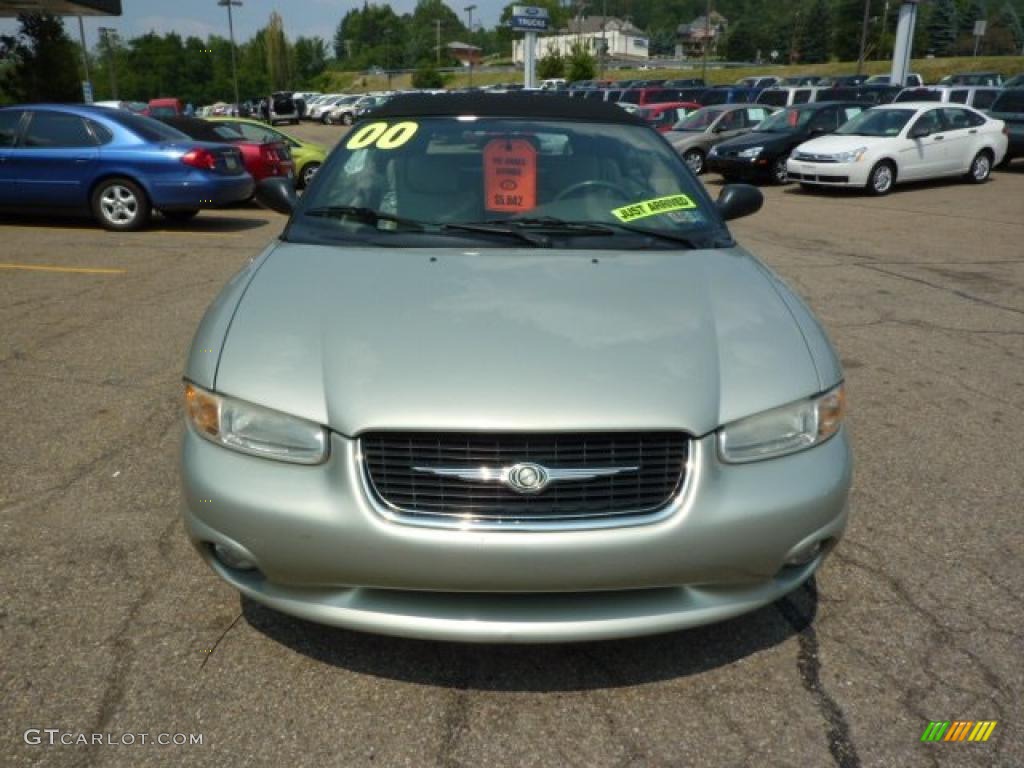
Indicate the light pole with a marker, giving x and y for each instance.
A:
(231, 31)
(469, 54)
(106, 35)
(707, 40)
(87, 83)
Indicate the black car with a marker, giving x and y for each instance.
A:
(868, 94)
(761, 155)
(844, 81)
(1009, 108)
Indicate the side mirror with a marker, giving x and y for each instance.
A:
(278, 194)
(738, 200)
(918, 132)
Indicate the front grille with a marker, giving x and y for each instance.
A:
(808, 157)
(389, 460)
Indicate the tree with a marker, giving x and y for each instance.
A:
(278, 58)
(309, 58)
(581, 63)
(551, 64)
(1006, 34)
(427, 77)
(942, 28)
(814, 36)
(421, 31)
(45, 60)
(369, 36)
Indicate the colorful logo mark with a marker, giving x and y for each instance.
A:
(958, 730)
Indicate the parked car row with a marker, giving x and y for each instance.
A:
(122, 166)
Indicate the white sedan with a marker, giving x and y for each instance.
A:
(891, 144)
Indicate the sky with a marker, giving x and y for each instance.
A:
(204, 17)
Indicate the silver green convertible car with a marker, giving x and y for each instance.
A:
(507, 377)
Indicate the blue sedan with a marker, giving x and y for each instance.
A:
(119, 165)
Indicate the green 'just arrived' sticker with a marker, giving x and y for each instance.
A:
(654, 207)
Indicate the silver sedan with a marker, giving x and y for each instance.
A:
(506, 377)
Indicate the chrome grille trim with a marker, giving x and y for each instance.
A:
(617, 518)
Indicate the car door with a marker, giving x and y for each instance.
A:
(731, 123)
(10, 126)
(923, 154)
(54, 161)
(961, 138)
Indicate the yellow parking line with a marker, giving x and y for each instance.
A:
(83, 270)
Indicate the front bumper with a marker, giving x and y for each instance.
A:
(740, 168)
(325, 553)
(829, 174)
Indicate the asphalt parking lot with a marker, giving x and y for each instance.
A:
(110, 623)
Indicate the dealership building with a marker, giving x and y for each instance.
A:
(621, 38)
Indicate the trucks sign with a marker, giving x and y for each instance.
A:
(529, 18)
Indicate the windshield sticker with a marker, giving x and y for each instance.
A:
(510, 176)
(383, 136)
(654, 207)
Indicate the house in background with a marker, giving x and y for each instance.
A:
(621, 39)
(702, 33)
(466, 54)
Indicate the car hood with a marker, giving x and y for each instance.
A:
(827, 145)
(373, 338)
(755, 139)
(685, 138)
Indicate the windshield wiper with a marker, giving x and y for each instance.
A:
(365, 215)
(556, 225)
(683, 240)
(489, 228)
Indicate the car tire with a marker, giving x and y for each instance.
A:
(307, 173)
(881, 179)
(120, 205)
(694, 158)
(180, 216)
(346, 119)
(981, 168)
(780, 175)
(326, 119)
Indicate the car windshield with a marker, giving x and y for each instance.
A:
(699, 121)
(501, 181)
(1010, 101)
(877, 122)
(786, 121)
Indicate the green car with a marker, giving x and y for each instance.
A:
(308, 156)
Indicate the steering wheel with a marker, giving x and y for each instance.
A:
(591, 183)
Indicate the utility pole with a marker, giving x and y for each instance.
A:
(437, 29)
(604, 36)
(469, 11)
(231, 31)
(707, 40)
(864, 36)
(87, 83)
(106, 33)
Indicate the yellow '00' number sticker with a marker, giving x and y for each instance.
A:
(654, 207)
(382, 135)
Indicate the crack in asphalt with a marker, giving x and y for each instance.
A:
(840, 742)
(956, 292)
(223, 634)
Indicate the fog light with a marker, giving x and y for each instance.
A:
(233, 557)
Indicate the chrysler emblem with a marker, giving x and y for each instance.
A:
(526, 478)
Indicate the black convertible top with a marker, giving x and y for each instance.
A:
(521, 105)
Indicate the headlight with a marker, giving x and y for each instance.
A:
(252, 429)
(784, 430)
(752, 152)
(853, 156)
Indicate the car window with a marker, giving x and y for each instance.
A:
(55, 130)
(255, 132)
(775, 98)
(9, 119)
(826, 120)
(700, 120)
(960, 119)
(148, 129)
(930, 122)
(439, 171)
(878, 121)
(849, 113)
(984, 99)
(802, 96)
(1009, 101)
(958, 95)
(755, 115)
(103, 134)
(731, 121)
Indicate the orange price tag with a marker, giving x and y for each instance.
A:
(510, 176)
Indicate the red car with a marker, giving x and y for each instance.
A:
(664, 115)
(262, 159)
(161, 108)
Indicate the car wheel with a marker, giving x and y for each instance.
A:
(346, 119)
(881, 178)
(326, 119)
(981, 168)
(308, 172)
(779, 173)
(695, 159)
(180, 215)
(120, 205)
